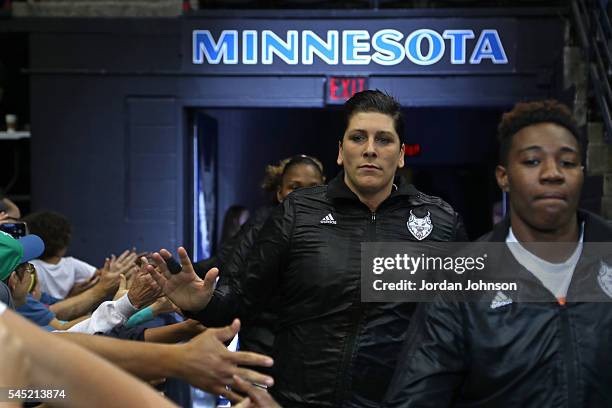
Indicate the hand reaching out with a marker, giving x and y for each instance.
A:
(144, 289)
(122, 290)
(185, 289)
(206, 362)
(124, 263)
(109, 279)
(163, 305)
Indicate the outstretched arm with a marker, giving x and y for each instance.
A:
(34, 358)
(204, 362)
(247, 292)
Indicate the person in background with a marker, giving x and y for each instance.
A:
(303, 171)
(292, 173)
(13, 253)
(235, 217)
(83, 303)
(61, 275)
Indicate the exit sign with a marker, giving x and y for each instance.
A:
(340, 89)
(412, 150)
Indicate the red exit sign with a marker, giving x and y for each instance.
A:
(412, 150)
(339, 89)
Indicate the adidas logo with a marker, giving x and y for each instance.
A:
(500, 300)
(328, 219)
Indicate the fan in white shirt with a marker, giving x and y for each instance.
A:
(58, 279)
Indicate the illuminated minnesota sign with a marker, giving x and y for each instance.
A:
(385, 47)
(366, 47)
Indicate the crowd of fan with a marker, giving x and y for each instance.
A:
(117, 311)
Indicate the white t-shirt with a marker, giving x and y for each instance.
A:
(2, 308)
(556, 277)
(57, 280)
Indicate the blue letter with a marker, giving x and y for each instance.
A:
(249, 47)
(413, 47)
(388, 49)
(286, 50)
(326, 50)
(226, 48)
(489, 46)
(457, 38)
(351, 47)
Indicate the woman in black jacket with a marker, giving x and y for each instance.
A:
(299, 171)
(331, 349)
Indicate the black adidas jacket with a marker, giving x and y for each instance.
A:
(331, 350)
(256, 333)
(514, 354)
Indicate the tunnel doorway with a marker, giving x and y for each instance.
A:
(453, 155)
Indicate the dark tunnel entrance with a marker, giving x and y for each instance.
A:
(452, 154)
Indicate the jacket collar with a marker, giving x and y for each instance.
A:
(596, 229)
(337, 188)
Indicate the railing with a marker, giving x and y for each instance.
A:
(594, 31)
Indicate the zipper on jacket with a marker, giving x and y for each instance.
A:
(570, 359)
(371, 235)
(357, 315)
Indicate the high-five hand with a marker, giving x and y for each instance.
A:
(185, 289)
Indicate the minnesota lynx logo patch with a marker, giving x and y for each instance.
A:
(420, 228)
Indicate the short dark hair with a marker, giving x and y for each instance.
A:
(303, 159)
(375, 101)
(532, 113)
(53, 228)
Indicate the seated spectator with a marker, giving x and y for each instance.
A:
(20, 284)
(60, 275)
(17, 252)
(105, 287)
(20, 278)
(27, 299)
(18, 274)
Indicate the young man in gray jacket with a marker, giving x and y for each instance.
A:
(499, 350)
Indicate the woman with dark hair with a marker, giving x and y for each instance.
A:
(280, 179)
(289, 174)
(330, 348)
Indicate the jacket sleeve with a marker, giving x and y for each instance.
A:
(431, 365)
(251, 275)
(460, 233)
